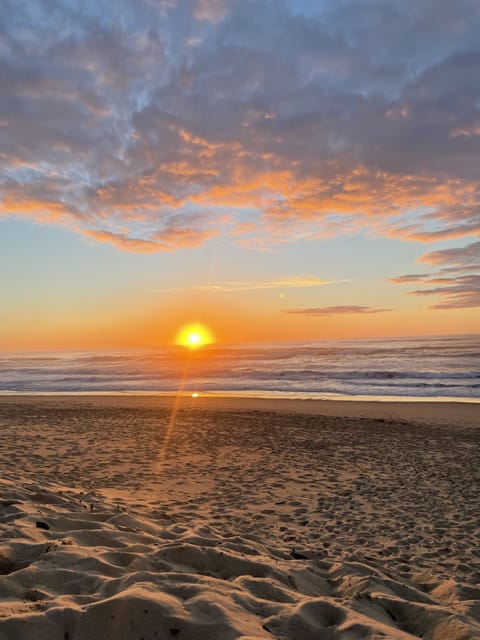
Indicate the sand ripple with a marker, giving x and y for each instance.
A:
(71, 573)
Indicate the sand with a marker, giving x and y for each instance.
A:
(242, 519)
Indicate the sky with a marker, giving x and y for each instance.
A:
(277, 169)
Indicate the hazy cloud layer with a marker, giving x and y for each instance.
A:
(338, 310)
(156, 125)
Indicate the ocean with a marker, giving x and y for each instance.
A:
(433, 367)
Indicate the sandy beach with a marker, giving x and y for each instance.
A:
(224, 518)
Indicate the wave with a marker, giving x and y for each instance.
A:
(417, 367)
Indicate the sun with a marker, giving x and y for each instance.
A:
(194, 336)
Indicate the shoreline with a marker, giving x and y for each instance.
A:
(409, 410)
(254, 395)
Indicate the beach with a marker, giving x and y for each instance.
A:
(216, 517)
(239, 324)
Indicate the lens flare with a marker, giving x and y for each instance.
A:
(194, 336)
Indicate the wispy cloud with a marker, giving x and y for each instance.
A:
(409, 278)
(456, 293)
(457, 280)
(169, 238)
(337, 310)
(120, 241)
(291, 282)
(465, 258)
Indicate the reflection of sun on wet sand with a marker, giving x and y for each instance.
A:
(192, 336)
(261, 524)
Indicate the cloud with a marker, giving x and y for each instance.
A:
(291, 282)
(409, 278)
(452, 232)
(467, 257)
(287, 283)
(338, 310)
(168, 240)
(273, 121)
(120, 241)
(456, 281)
(210, 10)
(456, 293)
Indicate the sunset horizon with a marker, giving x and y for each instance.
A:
(239, 319)
(259, 165)
(219, 344)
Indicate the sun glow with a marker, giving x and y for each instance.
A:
(194, 336)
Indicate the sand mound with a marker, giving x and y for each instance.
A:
(71, 573)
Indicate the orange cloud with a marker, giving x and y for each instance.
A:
(337, 310)
(44, 210)
(292, 282)
(124, 242)
(169, 240)
(127, 125)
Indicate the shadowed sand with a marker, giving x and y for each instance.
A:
(262, 519)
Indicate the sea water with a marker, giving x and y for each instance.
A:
(421, 367)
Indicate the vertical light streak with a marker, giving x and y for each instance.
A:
(173, 416)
